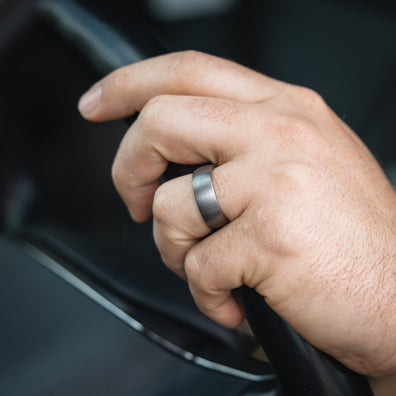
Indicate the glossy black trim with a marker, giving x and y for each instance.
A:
(301, 368)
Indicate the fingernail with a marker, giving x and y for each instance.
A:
(90, 101)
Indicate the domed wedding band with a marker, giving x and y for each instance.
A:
(206, 198)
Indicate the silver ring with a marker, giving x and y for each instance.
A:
(206, 198)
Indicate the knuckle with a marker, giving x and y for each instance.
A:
(307, 136)
(163, 245)
(293, 178)
(120, 78)
(312, 99)
(192, 267)
(161, 205)
(158, 102)
(297, 125)
(116, 175)
(189, 64)
(299, 132)
(204, 269)
(152, 114)
(206, 306)
(187, 59)
(168, 237)
(153, 108)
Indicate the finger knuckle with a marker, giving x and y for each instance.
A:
(296, 125)
(205, 268)
(312, 99)
(153, 114)
(170, 238)
(162, 244)
(192, 267)
(161, 204)
(120, 78)
(295, 175)
(153, 111)
(116, 174)
(298, 132)
(189, 64)
(294, 180)
(207, 307)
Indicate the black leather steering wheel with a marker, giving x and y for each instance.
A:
(108, 35)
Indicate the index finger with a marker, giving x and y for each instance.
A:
(179, 129)
(127, 90)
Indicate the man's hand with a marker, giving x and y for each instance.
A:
(312, 216)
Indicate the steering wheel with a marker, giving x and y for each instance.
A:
(108, 35)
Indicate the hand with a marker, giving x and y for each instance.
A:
(312, 216)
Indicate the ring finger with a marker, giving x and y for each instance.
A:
(178, 223)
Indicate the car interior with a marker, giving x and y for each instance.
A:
(87, 307)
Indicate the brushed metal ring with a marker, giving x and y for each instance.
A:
(206, 198)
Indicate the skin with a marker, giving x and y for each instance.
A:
(312, 215)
